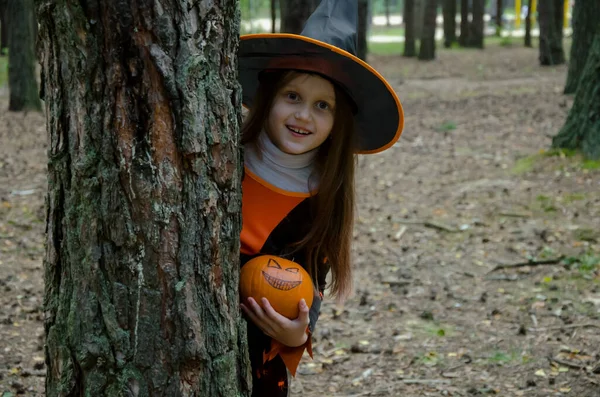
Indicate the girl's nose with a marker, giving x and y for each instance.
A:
(303, 113)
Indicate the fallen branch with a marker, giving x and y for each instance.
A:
(528, 263)
(425, 381)
(440, 226)
(566, 326)
(566, 363)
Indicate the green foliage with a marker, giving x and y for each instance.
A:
(3, 71)
(447, 126)
(546, 203)
(386, 48)
(586, 263)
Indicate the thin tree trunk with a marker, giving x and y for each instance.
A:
(3, 28)
(449, 11)
(363, 13)
(409, 28)
(499, 14)
(476, 26)
(463, 40)
(143, 203)
(273, 15)
(528, 25)
(387, 13)
(22, 79)
(550, 20)
(427, 47)
(582, 128)
(585, 25)
(294, 13)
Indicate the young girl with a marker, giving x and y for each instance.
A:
(313, 106)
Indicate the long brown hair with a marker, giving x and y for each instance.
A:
(330, 234)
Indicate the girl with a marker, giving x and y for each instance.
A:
(313, 106)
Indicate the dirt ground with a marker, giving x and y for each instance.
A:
(476, 249)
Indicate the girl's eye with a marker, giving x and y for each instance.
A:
(323, 105)
(292, 96)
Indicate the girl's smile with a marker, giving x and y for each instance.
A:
(302, 114)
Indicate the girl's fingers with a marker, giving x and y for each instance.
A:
(271, 313)
(303, 316)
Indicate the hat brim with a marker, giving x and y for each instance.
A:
(379, 117)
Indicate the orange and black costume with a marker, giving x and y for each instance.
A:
(273, 220)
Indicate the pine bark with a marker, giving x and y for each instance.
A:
(449, 11)
(143, 203)
(463, 39)
(427, 43)
(582, 128)
(586, 17)
(409, 28)
(551, 32)
(22, 79)
(363, 25)
(294, 14)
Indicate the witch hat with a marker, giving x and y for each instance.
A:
(327, 46)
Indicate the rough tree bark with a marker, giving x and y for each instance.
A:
(22, 80)
(363, 25)
(409, 28)
(528, 25)
(3, 28)
(463, 39)
(427, 43)
(586, 17)
(582, 128)
(143, 202)
(551, 32)
(477, 24)
(449, 11)
(294, 14)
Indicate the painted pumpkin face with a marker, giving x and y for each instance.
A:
(284, 283)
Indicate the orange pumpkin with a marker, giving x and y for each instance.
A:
(281, 281)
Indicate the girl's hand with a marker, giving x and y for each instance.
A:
(291, 333)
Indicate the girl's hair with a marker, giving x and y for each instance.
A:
(330, 234)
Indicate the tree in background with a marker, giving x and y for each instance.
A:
(363, 25)
(463, 39)
(273, 14)
(476, 27)
(528, 25)
(409, 28)
(3, 28)
(449, 13)
(551, 32)
(582, 128)
(387, 12)
(427, 42)
(143, 203)
(22, 81)
(586, 17)
(294, 14)
(499, 14)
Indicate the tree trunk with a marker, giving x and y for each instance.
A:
(409, 28)
(585, 25)
(449, 11)
(477, 24)
(499, 13)
(582, 128)
(463, 40)
(294, 14)
(387, 13)
(427, 47)
(3, 28)
(273, 15)
(144, 196)
(419, 15)
(551, 20)
(528, 25)
(22, 79)
(363, 16)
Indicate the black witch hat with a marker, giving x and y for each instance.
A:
(327, 46)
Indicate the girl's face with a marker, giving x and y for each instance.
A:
(302, 114)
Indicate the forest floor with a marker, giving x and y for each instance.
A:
(476, 248)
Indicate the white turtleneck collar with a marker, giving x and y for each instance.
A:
(289, 172)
